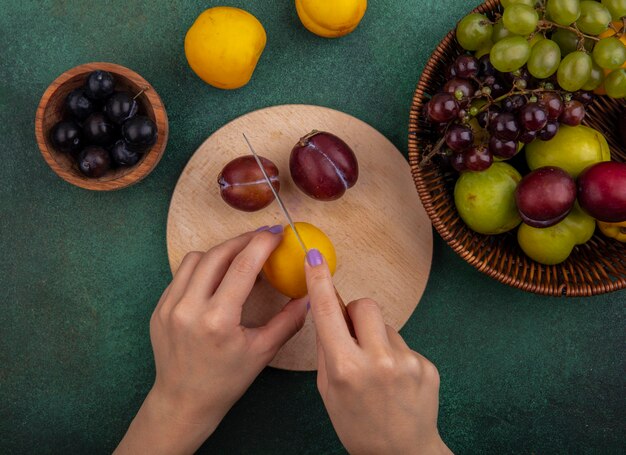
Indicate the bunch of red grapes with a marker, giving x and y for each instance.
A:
(510, 109)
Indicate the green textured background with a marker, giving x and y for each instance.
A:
(81, 271)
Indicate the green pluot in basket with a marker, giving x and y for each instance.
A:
(572, 149)
(485, 200)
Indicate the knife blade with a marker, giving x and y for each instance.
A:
(283, 208)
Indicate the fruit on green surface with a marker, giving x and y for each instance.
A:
(474, 31)
(224, 45)
(66, 136)
(563, 12)
(140, 133)
(545, 196)
(553, 245)
(243, 186)
(520, 19)
(510, 54)
(331, 18)
(574, 71)
(572, 149)
(94, 161)
(545, 58)
(485, 200)
(602, 191)
(594, 17)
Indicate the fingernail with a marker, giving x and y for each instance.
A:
(262, 228)
(314, 257)
(308, 306)
(277, 229)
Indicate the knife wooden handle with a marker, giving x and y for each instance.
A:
(344, 312)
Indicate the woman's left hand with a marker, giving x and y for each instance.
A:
(205, 359)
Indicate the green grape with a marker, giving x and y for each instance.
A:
(520, 19)
(594, 18)
(507, 3)
(544, 59)
(563, 12)
(484, 49)
(535, 39)
(616, 7)
(595, 79)
(568, 41)
(510, 54)
(574, 71)
(615, 83)
(473, 31)
(500, 32)
(609, 53)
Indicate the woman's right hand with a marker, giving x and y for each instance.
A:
(381, 396)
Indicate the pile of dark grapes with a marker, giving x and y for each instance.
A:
(102, 128)
(483, 113)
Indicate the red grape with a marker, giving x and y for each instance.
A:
(466, 66)
(553, 104)
(459, 137)
(502, 149)
(549, 131)
(442, 108)
(505, 126)
(458, 162)
(533, 117)
(513, 103)
(464, 86)
(573, 113)
(478, 158)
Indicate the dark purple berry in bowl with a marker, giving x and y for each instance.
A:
(121, 106)
(66, 136)
(94, 161)
(78, 104)
(123, 156)
(99, 130)
(140, 133)
(99, 85)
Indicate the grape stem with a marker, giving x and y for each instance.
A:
(545, 24)
(434, 150)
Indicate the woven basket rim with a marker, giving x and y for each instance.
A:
(482, 264)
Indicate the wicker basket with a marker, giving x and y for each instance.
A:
(597, 267)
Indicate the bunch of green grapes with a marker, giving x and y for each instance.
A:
(572, 42)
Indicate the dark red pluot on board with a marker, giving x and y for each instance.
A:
(242, 185)
(602, 191)
(545, 196)
(323, 166)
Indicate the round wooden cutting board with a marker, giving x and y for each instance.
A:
(380, 230)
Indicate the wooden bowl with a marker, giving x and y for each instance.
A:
(51, 110)
(597, 267)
